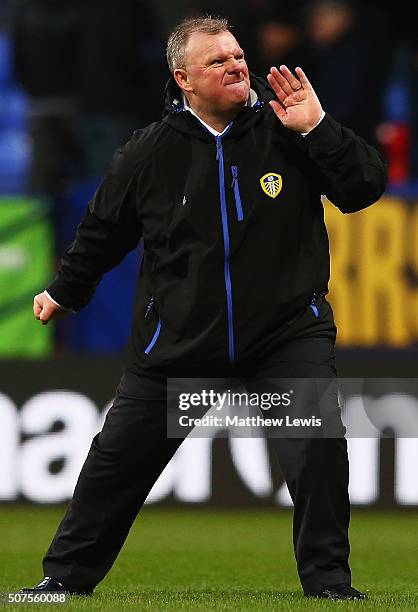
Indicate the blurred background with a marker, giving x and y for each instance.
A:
(76, 78)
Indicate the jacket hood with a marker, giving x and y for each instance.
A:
(183, 121)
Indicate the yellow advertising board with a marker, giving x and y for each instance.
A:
(374, 273)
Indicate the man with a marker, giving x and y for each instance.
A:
(225, 191)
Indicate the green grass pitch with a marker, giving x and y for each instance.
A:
(195, 559)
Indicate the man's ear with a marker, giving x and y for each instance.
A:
(182, 80)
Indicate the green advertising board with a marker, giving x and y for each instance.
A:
(26, 262)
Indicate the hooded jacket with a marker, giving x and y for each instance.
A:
(235, 244)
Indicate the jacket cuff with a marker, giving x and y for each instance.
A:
(59, 294)
(304, 134)
(325, 135)
(52, 299)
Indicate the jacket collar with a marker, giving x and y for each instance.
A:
(183, 121)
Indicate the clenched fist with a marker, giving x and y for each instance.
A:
(45, 309)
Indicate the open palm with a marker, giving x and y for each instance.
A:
(298, 107)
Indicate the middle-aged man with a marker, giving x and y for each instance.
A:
(226, 192)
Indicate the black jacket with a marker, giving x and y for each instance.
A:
(226, 266)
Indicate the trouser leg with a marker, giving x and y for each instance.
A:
(316, 472)
(124, 461)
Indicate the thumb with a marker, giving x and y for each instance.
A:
(47, 312)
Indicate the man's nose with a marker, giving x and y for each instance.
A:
(234, 66)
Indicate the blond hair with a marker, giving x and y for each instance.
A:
(177, 40)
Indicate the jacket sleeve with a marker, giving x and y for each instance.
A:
(109, 230)
(348, 171)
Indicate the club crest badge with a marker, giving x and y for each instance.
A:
(271, 183)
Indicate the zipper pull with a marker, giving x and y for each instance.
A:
(149, 307)
(234, 170)
(313, 305)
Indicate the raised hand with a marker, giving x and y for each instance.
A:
(298, 107)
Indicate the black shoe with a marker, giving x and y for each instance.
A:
(339, 591)
(50, 585)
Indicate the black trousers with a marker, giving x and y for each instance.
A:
(128, 455)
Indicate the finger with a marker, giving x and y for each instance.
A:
(294, 83)
(284, 84)
(278, 109)
(43, 317)
(303, 78)
(295, 98)
(276, 88)
(37, 308)
(47, 313)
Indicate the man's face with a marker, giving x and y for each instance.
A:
(216, 73)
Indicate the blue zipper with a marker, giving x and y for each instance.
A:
(238, 204)
(227, 271)
(154, 338)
